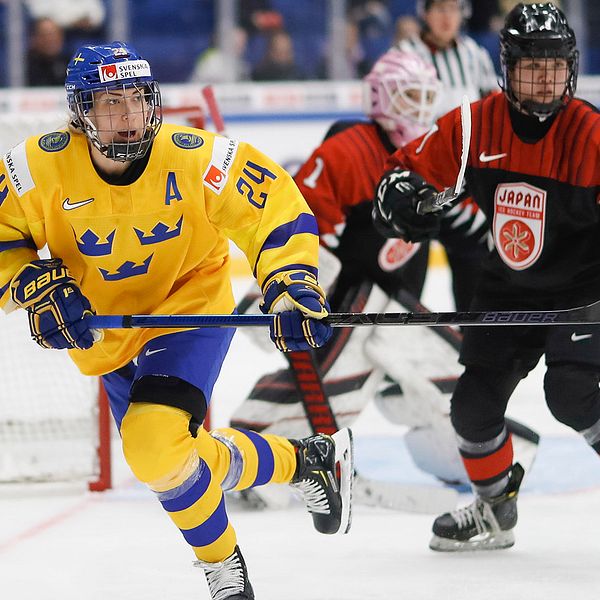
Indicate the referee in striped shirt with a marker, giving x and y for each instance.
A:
(463, 66)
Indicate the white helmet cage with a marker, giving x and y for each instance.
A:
(145, 101)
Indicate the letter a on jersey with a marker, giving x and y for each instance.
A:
(519, 218)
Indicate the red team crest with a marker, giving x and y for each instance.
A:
(519, 218)
(395, 253)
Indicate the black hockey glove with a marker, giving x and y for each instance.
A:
(395, 207)
(56, 306)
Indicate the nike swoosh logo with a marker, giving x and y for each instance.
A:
(151, 352)
(577, 338)
(483, 157)
(68, 205)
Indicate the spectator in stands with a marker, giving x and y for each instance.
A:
(355, 64)
(216, 66)
(278, 63)
(258, 16)
(485, 16)
(374, 23)
(77, 18)
(372, 11)
(46, 57)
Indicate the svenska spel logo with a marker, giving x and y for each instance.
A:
(108, 72)
(214, 177)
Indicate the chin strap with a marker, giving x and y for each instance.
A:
(128, 151)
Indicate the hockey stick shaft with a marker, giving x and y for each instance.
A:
(449, 195)
(589, 314)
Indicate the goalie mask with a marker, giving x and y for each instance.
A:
(401, 94)
(114, 99)
(539, 59)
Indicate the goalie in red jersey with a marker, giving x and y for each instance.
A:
(409, 371)
(528, 172)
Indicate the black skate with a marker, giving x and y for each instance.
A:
(324, 479)
(486, 524)
(228, 580)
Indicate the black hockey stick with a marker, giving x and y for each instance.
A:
(582, 315)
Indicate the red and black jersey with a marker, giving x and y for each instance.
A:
(342, 173)
(540, 196)
(338, 182)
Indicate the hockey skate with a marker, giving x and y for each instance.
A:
(323, 478)
(486, 524)
(228, 580)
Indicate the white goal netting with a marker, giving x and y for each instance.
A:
(48, 411)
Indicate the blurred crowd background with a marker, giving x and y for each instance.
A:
(221, 41)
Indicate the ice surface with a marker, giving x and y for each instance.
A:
(119, 544)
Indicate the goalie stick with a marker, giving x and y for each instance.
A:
(581, 315)
(366, 491)
(306, 372)
(449, 195)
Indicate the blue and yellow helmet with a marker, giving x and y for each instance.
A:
(113, 66)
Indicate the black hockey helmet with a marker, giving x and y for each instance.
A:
(537, 31)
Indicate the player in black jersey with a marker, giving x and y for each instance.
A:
(528, 171)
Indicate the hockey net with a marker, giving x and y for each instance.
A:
(54, 422)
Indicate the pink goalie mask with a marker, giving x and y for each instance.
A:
(401, 94)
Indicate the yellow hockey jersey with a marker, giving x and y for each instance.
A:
(160, 244)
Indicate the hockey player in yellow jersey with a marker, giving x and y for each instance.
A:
(137, 216)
